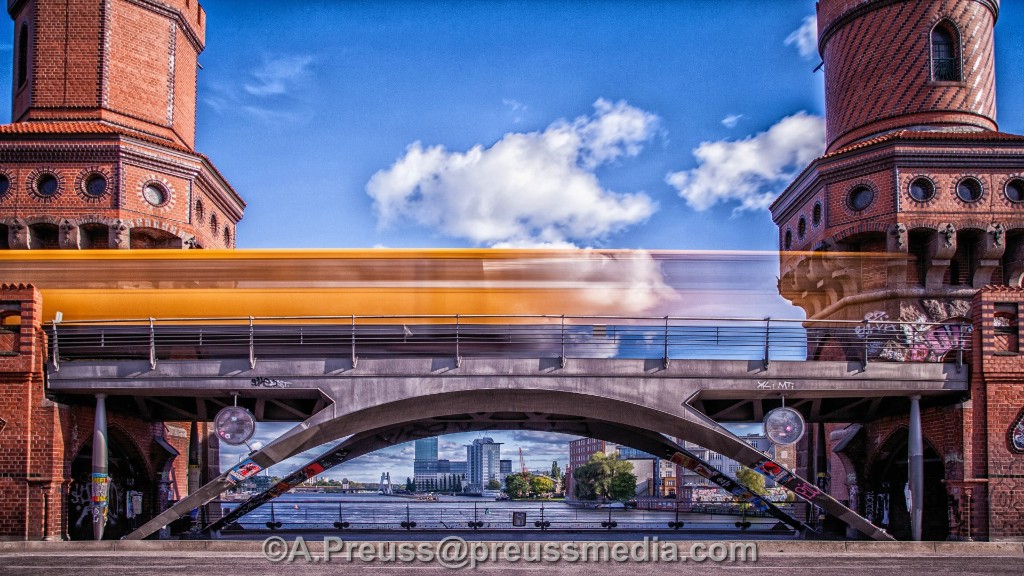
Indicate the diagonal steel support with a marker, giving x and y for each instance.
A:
(302, 437)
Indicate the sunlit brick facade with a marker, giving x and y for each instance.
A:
(916, 213)
(101, 153)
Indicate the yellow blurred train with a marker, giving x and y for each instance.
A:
(133, 284)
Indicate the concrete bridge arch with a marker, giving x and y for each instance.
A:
(625, 401)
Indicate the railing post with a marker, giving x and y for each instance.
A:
(355, 359)
(56, 348)
(767, 341)
(252, 346)
(561, 359)
(664, 356)
(960, 350)
(867, 338)
(152, 345)
(458, 356)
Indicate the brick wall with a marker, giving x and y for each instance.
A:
(1000, 377)
(878, 67)
(40, 439)
(132, 63)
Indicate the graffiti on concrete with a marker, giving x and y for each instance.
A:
(769, 385)
(269, 383)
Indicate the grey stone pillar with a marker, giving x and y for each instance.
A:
(915, 447)
(100, 479)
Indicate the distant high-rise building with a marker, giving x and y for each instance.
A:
(425, 464)
(483, 462)
(506, 468)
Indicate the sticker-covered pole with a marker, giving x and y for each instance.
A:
(100, 479)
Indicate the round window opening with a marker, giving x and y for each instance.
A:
(969, 190)
(5, 185)
(861, 197)
(922, 189)
(1014, 190)
(816, 215)
(96, 185)
(789, 240)
(47, 185)
(801, 228)
(154, 194)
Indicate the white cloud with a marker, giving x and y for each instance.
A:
(805, 38)
(732, 120)
(278, 75)
(753, 170)
(528, 189)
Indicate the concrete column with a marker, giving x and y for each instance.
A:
(820, 466)
(100, 479)
(915, 447)
(194, 460)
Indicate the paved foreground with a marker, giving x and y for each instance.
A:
(200, 558)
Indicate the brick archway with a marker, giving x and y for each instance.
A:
(129, 472)
(884, 482)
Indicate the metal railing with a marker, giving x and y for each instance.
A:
(491, 336)
(334, 514)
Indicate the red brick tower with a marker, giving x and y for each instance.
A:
(917, 205)
(100, 153)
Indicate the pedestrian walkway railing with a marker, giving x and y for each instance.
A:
(332, 514)
(491, 336)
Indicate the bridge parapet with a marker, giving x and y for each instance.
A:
(664, 338)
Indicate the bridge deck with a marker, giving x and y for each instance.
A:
(294, 389)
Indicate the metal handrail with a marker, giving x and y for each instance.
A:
(245, 319)
(561, 336)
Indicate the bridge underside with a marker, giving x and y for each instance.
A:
(295, 390)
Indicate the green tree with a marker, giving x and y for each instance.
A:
(541, 485)
(605, 477)
(517, 485)
(410, 486)
(493, 485)
(556, 472)
(752, 481)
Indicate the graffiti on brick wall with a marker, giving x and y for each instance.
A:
(80, 504)
(924, 332)
(1017, 435)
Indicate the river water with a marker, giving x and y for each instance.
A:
(372, 511)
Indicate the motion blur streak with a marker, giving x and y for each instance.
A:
(107, 284)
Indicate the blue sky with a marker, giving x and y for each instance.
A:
(454, 124)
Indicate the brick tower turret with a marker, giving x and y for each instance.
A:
(100, 153)
(914, 168)
(916, 213)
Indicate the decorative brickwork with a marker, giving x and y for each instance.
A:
(920, 255)
(117, 96)
(879, 70)
(104, 103)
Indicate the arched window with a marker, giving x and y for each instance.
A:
(22, 55)
(945, 53)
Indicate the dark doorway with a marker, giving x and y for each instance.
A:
(886, 500)
(127, 477)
